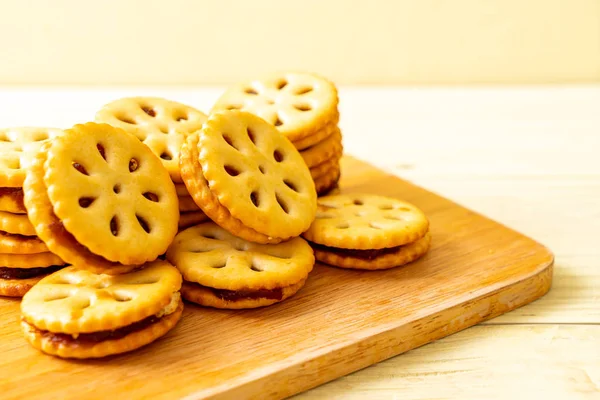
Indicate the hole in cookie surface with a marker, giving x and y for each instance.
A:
(101, 151)
(220, 265)
(233, 107)
(85, 202)
(80, 168)
(392, 217)
(209, 236)
(270, 102)
(303, 90)
(231, 170)
(127, 120)
(262, 170)
(254, 198)
(166, 156)
(343, 225)
(40, 136)
(324, 216)
(14, 164)
(251, 135)
(290, 185)
(164, 129)
(302, 107)
(251, 91)
(133, 165)
(385, 207)
(358, 202)
(143, 223)
(255, 268)
(278, 155)
(282, 204)
(404, 209)
(117, 188)
(277, 122)
(372, 225)
(114, 226)
(151, 196)
(56, 296)
(229, 141)
(149, 110)
(122, 297)
(281, 84)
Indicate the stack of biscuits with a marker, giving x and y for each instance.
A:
(24, 258)
(304, 108)
(163, 126)
(104, 203)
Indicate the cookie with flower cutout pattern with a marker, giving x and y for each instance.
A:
(161, 124)
(248, 178)
(224, 271)
(364, 231)
(100, 199)
(75, 313)
(18, 146)
(298, 104)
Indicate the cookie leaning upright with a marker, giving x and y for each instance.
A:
(363, 231)
(100, 199)
(75, 313)
(249, 178)
(163, 126)
(224, 271)
(24, 258)
(303, 107)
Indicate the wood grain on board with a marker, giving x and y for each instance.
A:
(340, 322)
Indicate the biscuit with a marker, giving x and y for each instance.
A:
(18, 287)
(17, 148)
(325, 167)
(248, 178)
(74, 313)
(373, 259)
(225, 271)
(325, 150)
(327, 182)
(101, 200)
(11, 200)
(316, 137)
(181, 190)
(17, 244)
(17, 224)
(188, 219)
(297, 104)
(37, 260)
(366, 222)
(161, 124)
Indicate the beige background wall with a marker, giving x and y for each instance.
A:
(377, 41)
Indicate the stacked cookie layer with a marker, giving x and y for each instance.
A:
(362, 231)
(252, 182)
(162, 125)
(24, 258)
(103, 202)
(304, 108)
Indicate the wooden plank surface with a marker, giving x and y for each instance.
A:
(340, 322)
(525, 156)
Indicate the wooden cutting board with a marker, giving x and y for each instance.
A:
(339, 322)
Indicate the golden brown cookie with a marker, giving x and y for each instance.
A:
(186, 204)
(11, 200)
(248, 178)
(100, 199)
(373, 259)
(17, 224)
(327, 182)
(18, 244)
(330, 148)
(161, 124)
(188, 219)
(225, 271)
(298, 104)
(181, 190)
(316, 137)
(17, 147)
(366, 222)
(35, 260)
(325, 167)
(74, 313)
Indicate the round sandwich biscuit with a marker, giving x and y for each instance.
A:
(248, 178)
(223, 271)
(297, 104)
(161, 124)
(367, 231)
(11, 200)
(325, 150)
(101, 200)
(75, 313)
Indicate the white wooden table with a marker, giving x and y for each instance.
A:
(527, 157)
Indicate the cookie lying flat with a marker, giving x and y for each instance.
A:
(327, 182)
(248, 178)
(327, 149)
(368, 232)
(298, 104)
(75, 313)
(317, 137)
(161, 124)
(101, 200)
(224, 271)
